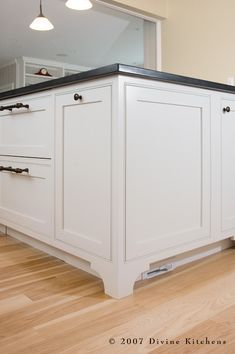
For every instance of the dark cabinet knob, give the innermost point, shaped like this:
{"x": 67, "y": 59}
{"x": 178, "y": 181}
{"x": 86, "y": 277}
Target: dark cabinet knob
{"x": 77, "y": 97}
{"x": 226, "y": 109}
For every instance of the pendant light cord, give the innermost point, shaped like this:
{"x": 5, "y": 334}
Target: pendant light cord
{"x": 41, "y": 9}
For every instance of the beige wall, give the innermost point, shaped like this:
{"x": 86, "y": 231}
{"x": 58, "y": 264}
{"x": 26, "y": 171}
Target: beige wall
{"x": 156, "y": 8}
{"x": 198, "y": 36}
{"x": 199, "y": 39}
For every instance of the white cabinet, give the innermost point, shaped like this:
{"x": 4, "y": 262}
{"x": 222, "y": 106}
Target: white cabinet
{"x": 26, "y": 197}
{"x": 141, "y": 169}
{"x": 83, "y": 165}
{"x": 26, "y": 169}
{"x": 167, "y": 170}
{"x": 228, "y": 166}
{"x": 27, "y": 130}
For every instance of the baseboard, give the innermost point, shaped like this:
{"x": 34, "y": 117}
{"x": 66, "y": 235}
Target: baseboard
{"x": 55, "y": 252}
{"x": 179, "y": 260}
{"x": 194, "y": 255}
{"x": 3, "y": 230}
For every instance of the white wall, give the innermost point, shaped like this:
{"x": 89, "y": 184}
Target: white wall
{"x": 198, "y": 39}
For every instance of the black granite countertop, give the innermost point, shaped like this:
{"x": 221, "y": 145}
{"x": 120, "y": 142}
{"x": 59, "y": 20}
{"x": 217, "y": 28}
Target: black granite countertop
{"x": 118, "y": 69}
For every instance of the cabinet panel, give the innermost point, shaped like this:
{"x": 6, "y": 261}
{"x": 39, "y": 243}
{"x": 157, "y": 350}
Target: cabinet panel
{"x": 167, "y": 170}
{"x": 228, "y": 167}
{"x": 27, "y": 132}
{"x": 26, "y": 198}
{"x": 83, "y": 164}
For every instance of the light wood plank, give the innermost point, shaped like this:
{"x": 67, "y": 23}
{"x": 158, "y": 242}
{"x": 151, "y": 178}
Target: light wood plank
{"x": 47, "y": 306}
{"x": 14, "y": 303}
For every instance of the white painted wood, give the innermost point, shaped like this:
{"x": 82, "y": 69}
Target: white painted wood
{"x": 83, "y": 165}
{"x": 120, "y": 284}
{"x": 159, "y": 45}
{"x": 8, "y": 76}
{"x": 228, "y": 167}
{"x": 27, "y": 67}
{"x": 215, "y": 166}
{"x": 167, "y": 170}
{"x": 26, "y": 200}
{"x": 27, "y": 132}
{"x": 137, "y": 178}
{"x": 55, "y": 252}
{"x": 7, "y": 87}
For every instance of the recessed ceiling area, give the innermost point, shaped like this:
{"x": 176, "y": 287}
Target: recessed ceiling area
{"x": 91, "y": 38}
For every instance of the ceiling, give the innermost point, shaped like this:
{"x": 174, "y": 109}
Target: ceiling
{"x": 92, "y": 38}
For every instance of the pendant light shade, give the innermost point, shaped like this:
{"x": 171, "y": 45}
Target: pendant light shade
{"x": 79, "y": 4}
{"x": 41, "y": 23}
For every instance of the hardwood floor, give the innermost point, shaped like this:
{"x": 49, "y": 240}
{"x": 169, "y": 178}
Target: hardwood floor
{"x": 47, "y": 307}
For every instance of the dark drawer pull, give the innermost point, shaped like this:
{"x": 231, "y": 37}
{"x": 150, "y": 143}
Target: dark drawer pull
{"x": 226, "y": 109}
{"x": 17, "y": 105}
{"x": 16, "y": 170}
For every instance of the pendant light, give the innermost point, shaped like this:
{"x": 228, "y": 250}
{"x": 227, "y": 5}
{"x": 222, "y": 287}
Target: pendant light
{"x": 79, "y": 4}
{"x": 41, "y": 23}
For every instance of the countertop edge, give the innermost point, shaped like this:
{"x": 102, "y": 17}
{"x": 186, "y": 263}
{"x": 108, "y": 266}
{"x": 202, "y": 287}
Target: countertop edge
{"x": 118, "y": 69}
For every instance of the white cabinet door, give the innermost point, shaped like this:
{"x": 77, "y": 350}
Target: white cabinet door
{"x": 83, "y": 170}
{"x": 27, "y": 132}
{"x": 167, "y": 170}
{"x": 228, "y": 167}
{"x": 26, "y": 199}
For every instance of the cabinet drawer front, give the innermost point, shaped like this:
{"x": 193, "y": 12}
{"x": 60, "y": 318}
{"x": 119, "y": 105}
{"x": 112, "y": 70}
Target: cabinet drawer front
{"x": 83, "y": 165}
{"x": 26, "y": 198}
{"x": 27, "y": 131}
{"x": 167, "y": 170}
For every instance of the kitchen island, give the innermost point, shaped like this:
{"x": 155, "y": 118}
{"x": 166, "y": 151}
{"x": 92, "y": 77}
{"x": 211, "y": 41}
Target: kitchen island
{"x": 119, "y": 170}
